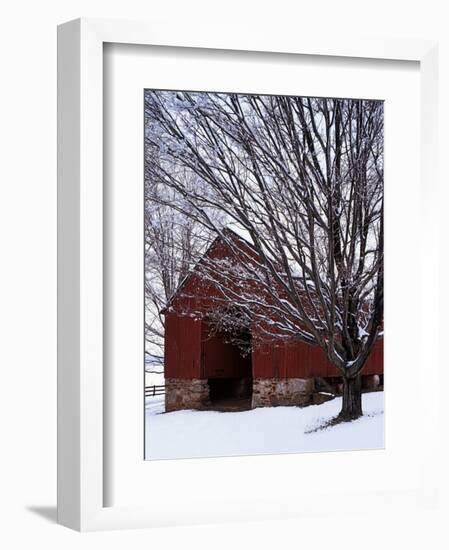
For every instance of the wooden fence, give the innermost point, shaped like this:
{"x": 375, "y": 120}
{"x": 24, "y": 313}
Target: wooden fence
{"x": 153, "y": 391}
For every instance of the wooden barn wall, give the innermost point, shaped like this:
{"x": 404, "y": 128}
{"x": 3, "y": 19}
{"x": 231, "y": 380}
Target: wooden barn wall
{"x": 299, "y": 360}
{"x": 375, "y": 363}
{"x": 197, "y": 295}
{"x": 182, "y": 347}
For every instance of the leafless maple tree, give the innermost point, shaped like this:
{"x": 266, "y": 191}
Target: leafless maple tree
{"x": 302, "y": 180}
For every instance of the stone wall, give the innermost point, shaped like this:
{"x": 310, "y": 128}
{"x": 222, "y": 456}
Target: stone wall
{"x": 370, "y": 382}
{"x": 183, "y": 393}
{"x": 271, "y": 392}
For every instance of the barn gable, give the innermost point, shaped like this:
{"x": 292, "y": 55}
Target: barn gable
{"x": 196, "y": 294}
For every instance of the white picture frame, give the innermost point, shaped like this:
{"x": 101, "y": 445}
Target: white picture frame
{"x": 82, "y": 491}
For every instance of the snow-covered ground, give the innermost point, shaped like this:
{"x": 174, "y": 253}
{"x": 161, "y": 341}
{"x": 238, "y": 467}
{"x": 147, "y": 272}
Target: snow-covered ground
{"x": 154, "y": 379}
{"x": 269, "y": 430}
{"x": 154, "y": 370}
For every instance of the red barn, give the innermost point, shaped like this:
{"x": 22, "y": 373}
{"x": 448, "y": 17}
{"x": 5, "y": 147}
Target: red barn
{"x": 204, "y": 369}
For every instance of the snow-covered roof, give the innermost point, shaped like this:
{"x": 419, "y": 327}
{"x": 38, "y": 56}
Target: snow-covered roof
{"x": 226, "y": 236}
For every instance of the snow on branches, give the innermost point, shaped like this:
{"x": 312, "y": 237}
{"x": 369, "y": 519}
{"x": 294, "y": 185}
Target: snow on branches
{"x": 302, "y": 180}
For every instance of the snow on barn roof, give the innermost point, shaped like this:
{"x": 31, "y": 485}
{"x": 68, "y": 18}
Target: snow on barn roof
{"x": 227, "y": 236}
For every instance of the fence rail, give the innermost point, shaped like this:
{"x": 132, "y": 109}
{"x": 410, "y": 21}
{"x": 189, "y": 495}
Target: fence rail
{"x": 152, "y": 391}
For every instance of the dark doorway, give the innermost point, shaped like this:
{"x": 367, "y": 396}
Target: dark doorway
{"x": 230, "y": 394}
{"x": 227, "y": 366}
{"x": 230, "y": 388}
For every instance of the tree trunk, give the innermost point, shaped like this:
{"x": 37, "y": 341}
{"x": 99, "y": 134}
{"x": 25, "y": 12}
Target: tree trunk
{"x": 352, "y": 399}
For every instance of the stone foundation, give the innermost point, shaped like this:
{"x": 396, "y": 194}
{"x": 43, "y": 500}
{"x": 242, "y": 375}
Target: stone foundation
{"x": 181, "y": 393}
{"x": 370, "y": 382}
{"x": 194, "y": 393}
{"x": 272, "y": 392}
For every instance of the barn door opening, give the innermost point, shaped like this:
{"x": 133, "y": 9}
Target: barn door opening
{"x": 227, "y": 365}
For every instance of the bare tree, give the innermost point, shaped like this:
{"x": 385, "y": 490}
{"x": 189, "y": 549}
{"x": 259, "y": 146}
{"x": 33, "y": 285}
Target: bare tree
{"x": 173, "y": 244}
{"x": 302, "y": 178}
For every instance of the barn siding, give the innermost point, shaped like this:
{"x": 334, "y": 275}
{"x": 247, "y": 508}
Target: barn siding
{"x": 375, "y": 363}
{"x": 220, "y": 359}
{"x": 182, "y": 347}
{"x": 300, "y": 360}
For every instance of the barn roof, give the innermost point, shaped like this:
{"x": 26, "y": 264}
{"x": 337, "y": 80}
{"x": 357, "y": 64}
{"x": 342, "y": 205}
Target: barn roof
{"x": 227, "y": 236}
